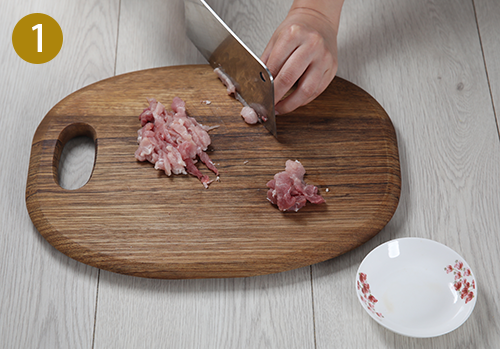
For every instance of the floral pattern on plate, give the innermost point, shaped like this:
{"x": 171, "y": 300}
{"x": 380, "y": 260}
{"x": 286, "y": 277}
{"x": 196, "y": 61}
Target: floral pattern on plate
{"x": 366, "y": 296}
{"x": 461, "y": 283}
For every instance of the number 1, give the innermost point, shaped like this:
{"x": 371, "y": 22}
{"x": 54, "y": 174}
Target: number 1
{"x": 39, "y": 36}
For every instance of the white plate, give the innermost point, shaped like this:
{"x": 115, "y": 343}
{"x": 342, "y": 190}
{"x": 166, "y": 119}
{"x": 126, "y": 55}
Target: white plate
{"x": 416, "y": 287}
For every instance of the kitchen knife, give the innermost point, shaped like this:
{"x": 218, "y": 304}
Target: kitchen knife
{"x": 223, "y": 49}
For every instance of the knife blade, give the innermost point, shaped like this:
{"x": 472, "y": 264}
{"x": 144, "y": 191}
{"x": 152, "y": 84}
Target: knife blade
{"x": 222, "y": 48}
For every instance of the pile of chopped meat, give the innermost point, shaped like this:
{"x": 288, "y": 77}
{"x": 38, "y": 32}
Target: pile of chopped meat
{"x": 289, "y": 191}
{"x": 171, "y": 140}
{"x": 247, "y": 113}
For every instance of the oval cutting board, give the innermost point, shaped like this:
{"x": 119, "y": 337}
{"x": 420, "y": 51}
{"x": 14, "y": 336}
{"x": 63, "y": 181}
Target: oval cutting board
{"x": 132, "y": 219}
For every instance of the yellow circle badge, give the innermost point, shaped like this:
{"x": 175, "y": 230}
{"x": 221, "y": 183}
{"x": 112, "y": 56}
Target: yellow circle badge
{"x": 37, "y": 38}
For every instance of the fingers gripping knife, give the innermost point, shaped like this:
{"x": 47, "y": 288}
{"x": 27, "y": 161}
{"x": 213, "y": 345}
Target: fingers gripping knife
{"x": 223, "y": 49}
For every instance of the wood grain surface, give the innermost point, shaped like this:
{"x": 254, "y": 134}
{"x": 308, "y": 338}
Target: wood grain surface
{"x": 423, "y": 63}
{"x": 488, "y": 15}
{"x": 410, "y": 55}
{"x": 48, "y": 300}
{"x": 132, "y": 219}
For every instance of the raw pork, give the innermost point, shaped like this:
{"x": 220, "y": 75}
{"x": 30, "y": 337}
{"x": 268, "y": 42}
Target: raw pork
{"x": 247, "y": 113}
{"x": 289, "y": 191}
{"x": 226, "y": 80}
{"x": 171, "y": 140}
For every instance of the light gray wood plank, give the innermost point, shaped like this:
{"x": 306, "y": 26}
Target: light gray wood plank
{"x": 253, "y": 21}
{"x": 48, "y": 300}
{"x": 273, "y": 311}
{"x": 77, "y": 162}
{"x": 152, "y": 34}
{"x": 488, "y": 19}
{"x": 422, "y": 61}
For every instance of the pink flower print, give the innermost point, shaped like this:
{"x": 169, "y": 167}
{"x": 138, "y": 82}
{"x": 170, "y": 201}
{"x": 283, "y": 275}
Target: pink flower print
{"x": 466, "y": 284}
{"x": 372, "y": 299}
{"x": 461, "y": 285}
{"x": 470, "y": 295}
{"x": 464, "y": 293}
{"x": 365, "y": 289}
{"x": 365, "y": 295}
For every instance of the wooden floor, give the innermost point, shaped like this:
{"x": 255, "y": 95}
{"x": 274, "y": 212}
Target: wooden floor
{"x": 433, "y": 65}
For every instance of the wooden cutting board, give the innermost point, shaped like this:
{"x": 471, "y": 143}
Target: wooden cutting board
{"x": 132, "y": 219}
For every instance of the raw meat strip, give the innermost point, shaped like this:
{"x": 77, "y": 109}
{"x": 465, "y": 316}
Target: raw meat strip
{"x": 226, "y": 80}
{"x": 289, "y": 191}
{"x": 247, "y": 113}
{"x": 171, "y": 140}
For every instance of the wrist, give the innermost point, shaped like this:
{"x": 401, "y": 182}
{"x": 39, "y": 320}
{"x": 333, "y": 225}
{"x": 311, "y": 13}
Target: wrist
{"x": 323, "y": 9}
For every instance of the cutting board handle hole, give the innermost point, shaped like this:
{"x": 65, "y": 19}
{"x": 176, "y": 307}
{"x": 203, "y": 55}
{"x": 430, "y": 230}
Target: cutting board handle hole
{"x": 75, "y": 156}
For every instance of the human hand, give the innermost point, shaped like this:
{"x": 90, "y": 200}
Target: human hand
{"x": 303, "y": 49}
